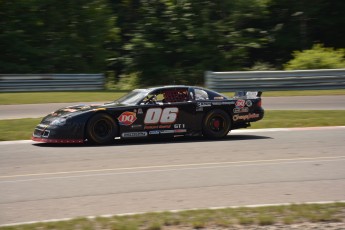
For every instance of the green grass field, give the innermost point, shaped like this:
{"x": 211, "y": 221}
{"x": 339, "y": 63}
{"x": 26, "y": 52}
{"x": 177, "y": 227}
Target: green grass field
{"x": 300, "y": 118}
{"x": 227, "y": 218}
{"x": 21, "y": 129}
{"x": 17, "y": 129}
{"x": 94, "y": 96}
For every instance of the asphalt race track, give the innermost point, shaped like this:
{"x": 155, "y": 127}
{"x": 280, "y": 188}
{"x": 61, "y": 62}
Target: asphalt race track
{"x": 40, "y": 181}
{"x": 269, "y": 103}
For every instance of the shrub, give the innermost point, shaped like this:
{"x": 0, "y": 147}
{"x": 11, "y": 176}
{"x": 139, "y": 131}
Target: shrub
{"x": 318, "y": 57}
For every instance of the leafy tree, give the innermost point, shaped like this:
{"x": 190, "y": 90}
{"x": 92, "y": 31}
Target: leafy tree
{"x": 318, "y": 57}
{"x": 162, "y": 41}
{"x": 176, "y": 41}
{"x": 297, "y": 25}
{"x": 52, "y": 36}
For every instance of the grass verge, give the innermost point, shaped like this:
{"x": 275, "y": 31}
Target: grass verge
{"x": 303, "y": 93}
{"x": 17, "y": 129}
{"x": 300, "y": 118}
{"x": 95, "y": 96}
{"x": 21, "y": 129}
{"x": 199, "y": 219}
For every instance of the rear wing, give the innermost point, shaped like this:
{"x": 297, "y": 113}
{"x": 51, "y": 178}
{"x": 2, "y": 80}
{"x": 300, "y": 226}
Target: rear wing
{"x": 248, "y": 94}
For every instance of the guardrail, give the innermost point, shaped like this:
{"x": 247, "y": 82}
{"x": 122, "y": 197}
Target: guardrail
{"x": 50, "y": 82}
{"x": 275, "y": 80}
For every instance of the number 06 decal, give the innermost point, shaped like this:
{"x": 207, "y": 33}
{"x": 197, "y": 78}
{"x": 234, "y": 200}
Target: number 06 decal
{"x": 162, "y": 116}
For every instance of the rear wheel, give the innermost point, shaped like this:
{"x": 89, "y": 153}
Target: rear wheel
{"x": 216, "y": 124}
{"x": 101, "y": 129}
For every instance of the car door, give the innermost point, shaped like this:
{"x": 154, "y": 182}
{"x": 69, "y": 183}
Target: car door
{"x": 172, "y": 113}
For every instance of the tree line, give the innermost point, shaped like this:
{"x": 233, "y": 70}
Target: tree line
{"x": 163, "y": 41}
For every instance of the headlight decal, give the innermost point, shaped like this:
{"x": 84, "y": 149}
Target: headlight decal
{"x": 59, "y": 121}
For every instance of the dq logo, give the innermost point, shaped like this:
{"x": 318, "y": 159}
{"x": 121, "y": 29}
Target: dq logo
{"x": 127, "y": 118}
{"x": 240, "y": 103}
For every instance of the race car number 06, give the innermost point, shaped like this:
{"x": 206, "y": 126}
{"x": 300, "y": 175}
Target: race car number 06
{"x": 163, "y": 116}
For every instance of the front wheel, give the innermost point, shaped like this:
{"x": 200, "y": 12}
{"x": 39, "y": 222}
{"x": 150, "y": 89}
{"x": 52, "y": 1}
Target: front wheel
{"x": 101, "y": 129}
{"x": 216, "y": 124}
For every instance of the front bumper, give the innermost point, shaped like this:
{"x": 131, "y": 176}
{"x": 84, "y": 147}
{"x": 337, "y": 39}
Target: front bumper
{"x": 54, "y": 134}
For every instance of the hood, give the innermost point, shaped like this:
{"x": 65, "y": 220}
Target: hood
{"x": 73, "y": 109}
{"x": 68, "y": 112}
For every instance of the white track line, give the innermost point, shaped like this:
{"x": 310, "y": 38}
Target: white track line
{"x": 174, "y": 211}
{"x": 168, "y": 170}
{"x": 154, "y": 168}
{"x": 287, "y": 129}
{"x": 16, "y": 142}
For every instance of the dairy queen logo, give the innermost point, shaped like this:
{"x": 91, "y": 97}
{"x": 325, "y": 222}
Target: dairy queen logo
{"x": 127, "y": 118}
{"x": 240, "y": 103}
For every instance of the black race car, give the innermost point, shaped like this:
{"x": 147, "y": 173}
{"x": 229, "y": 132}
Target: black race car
{"x": 153, "y": 112}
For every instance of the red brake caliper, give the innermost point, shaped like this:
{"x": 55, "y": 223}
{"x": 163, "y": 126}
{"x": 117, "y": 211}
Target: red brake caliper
{"x": 216, "y": 124}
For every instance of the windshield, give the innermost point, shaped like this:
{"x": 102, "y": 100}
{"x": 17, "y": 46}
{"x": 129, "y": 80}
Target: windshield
{"x": 132, "y": 98}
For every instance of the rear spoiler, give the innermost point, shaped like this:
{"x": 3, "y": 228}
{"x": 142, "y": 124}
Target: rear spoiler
{"x": 248, "y": 94}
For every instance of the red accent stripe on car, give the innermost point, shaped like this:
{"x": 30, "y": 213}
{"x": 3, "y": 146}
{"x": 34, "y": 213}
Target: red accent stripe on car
{"x": 58, "y": 141}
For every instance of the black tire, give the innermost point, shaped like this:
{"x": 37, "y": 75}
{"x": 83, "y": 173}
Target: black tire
{"x": 216, "y": 124}
{"x": 101, "y": 129}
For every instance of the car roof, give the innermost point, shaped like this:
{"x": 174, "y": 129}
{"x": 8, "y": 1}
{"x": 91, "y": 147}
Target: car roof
{"x": 169, "y": 87}
{"x": 176, "y": 86}
{"x": 162, "y": 88}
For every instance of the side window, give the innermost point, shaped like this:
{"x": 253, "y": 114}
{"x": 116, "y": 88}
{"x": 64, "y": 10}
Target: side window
{"x": 175, "y": 95}
{"x": 201, "y": 94}
{"x": 149, "y": 99}
{"x": 160, "y": 97}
